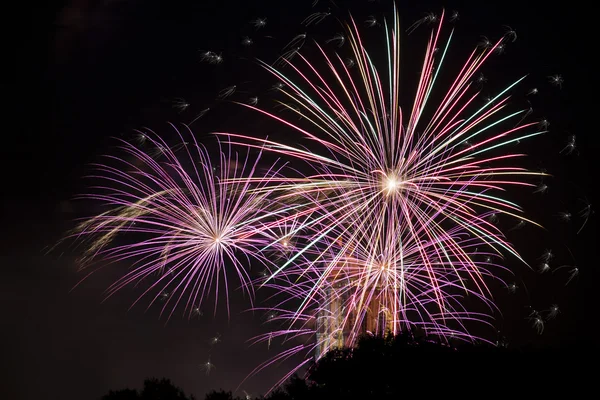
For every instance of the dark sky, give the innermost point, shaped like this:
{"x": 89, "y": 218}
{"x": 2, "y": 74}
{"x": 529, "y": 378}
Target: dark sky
{"x": 84, "y": 72}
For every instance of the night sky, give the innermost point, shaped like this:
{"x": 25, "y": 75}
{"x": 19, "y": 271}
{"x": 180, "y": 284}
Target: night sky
{"x": 84, "y": 72}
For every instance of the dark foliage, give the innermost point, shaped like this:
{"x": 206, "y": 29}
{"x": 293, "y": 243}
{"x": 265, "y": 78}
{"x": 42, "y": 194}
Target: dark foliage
{"x": 125, "y": 394}
{"x": 220, "y": 395}
{"x": 394, "y": 367}
{"x": 153, "y": 389}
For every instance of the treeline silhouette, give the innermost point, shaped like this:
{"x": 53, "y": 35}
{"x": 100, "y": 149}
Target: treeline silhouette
{"x": 154, "y": 389}
{"x": 394, "y": 367}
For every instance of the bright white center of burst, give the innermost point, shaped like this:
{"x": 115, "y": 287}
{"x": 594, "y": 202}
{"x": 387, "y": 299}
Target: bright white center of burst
{"x": 392, "y": 184}
{"x": 217, "y": 239}
{"x": 285, "y": 243}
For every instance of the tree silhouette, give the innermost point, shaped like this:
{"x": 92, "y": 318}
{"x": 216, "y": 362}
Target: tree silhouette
{"x": 387, "y": 367}
{"x": 221, "y": 395}
{"x": 125, "y": 394}
{"x": 163, "y": 389}
{"x": 154, "y": 389}
{"x": 392, "y": 367}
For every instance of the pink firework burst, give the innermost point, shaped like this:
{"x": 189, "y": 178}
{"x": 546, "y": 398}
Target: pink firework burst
{"x": 407, "y": 193}
{"x": 186, "y": 231}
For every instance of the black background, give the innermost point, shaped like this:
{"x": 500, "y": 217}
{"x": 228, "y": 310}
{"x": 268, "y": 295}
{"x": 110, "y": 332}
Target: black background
{"x": 83, "y": 72}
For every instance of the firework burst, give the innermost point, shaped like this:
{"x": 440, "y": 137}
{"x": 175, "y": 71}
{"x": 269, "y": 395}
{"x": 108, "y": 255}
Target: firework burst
{"x": 378, "y": 170}
{"x": 188, "y": 233}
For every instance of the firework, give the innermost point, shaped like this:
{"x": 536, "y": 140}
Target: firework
{"x": 186, "y": 232}
{"x": 375, "y": 167}
{"x": 371, "y": 21}
{"x": 537, "y": 322}
{"x": 395, "y": 199}
{"x": 571, "y": 145}
{"x": 207, "y": 366}
{"x": 552, "y": 312}
{"x": 585, "y": 213}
